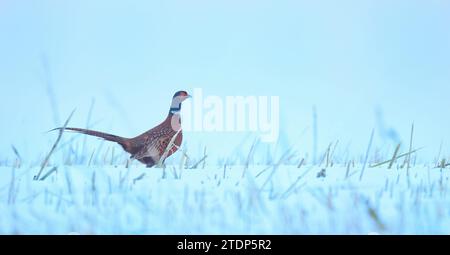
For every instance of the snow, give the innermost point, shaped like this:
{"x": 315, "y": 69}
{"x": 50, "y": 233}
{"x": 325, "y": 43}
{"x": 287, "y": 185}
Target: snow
{"x": 280, "y": 200}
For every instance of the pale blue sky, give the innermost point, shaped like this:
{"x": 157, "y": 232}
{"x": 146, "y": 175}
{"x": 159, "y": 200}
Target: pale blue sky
{"x": 346, "y": 57}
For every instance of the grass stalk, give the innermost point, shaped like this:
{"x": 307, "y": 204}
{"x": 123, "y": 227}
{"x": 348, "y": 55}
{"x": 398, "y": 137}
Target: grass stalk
{"x": 394, "y": 156}
{"x": 367, "y": 155}
{"x": 409, "y": 154}
{"x": 47, "y": 158}
{"x": 398, "y": 157}
{"x": 53, "y": 170}
{"x": 168, "y": 148}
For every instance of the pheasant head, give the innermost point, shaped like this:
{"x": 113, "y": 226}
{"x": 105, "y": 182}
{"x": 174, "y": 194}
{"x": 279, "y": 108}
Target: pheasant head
{"x": 177, "y": 99}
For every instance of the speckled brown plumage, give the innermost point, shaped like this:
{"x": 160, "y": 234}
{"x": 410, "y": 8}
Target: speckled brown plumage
{"x": 150, "y": 146}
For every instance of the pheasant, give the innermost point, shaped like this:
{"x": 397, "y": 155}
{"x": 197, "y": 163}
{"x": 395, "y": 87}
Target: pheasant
{"x": 152, "y": 146}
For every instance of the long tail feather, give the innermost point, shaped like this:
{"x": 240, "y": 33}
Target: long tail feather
{"x": 106, "y": 136}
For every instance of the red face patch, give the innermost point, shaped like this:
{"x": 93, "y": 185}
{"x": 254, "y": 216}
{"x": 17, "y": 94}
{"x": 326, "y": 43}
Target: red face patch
{"x": 181, "y": 94}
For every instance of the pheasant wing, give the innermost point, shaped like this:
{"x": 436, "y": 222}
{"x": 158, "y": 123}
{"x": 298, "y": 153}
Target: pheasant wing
{"x": 156, "y": 144}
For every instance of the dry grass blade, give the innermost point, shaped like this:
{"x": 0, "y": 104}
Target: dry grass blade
{"x": 263, "y": 171}
{"x": 442, "y": 164}
{"x": 375, "y": 216}
{"x": 293, "y": 185}
{"x": 410, "y": 148}
{"x": 398, "y": 157}
{"x": 394, "y": 156}
{"x": 301, "y": 163}
{"x": 274, "y": 169}
{"x": 327, "y": 156}
{"x": 140, "y": 177}
{"x": 367, "y": 155}
{"x": 183, "y": 151}
{"x": 112, "y": 157}
{"x": 347, "y": 172}
{"x": 12, "y": 186}
{"x": 249, "y": 157}
{"x": 204, "y": 160}
{"x": 182, "y": 165}
{"x": 105, "y": 155}
{"x": 333, "y": 151}
{"x": 61, "y": 131}
{"x": 224, "y": 171}
{"x": 54, "y": 169}
{"x": 18, "y": 157}
{"x": 16, "y": 152}
{"x": 90, "y": 159}
{"x": 199, "y": 162}
{"x": 168, "y": 148}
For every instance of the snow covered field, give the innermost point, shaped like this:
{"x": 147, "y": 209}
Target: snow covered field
{"x": 309, "y": 77}
{"x": 276, "y": 199}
